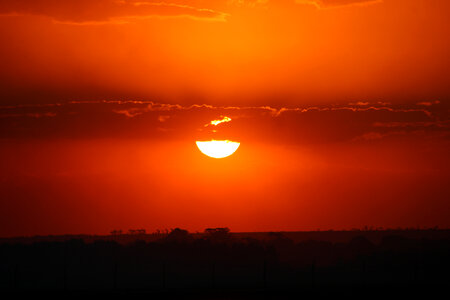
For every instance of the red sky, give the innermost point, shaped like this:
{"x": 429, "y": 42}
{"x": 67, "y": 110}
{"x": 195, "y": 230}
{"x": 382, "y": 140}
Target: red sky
{"x": 341, "y": 108}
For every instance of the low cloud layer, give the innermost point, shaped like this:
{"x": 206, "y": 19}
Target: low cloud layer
{"x": 150, "y": 120}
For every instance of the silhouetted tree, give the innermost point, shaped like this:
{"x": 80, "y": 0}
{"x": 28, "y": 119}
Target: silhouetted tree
{"x": 178, "y": 235}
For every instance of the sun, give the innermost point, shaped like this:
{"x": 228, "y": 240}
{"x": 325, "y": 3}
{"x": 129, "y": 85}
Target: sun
{"x": 217, "y": 149}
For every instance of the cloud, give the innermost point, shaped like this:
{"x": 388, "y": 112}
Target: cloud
{"x": 217, "y": 122}
{"x": 284, "y": 125}
{"x": 130, "y": 113}
{"x": 428, "y": 103}
{"x": 373, "y": 136}
{"x": 323, "y": 4}
{"x": 360, "y": 103}
{"x": 435, "y": 123}
{"x": 105, "y": 11}
{"x": 163, "y": 118}
{"x": 248, "y": 3}
{"x": 31, "y": 115}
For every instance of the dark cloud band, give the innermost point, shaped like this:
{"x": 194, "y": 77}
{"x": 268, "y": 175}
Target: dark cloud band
{"x": 150, "y": 120}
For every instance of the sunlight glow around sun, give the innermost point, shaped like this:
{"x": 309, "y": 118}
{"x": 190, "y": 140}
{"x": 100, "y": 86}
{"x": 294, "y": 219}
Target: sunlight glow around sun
{"x": 217, "y": 149}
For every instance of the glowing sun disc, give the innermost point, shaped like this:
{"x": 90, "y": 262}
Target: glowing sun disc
{"x": 217, "y": 149}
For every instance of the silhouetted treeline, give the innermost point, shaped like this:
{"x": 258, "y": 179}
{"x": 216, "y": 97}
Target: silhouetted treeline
{"x": 219, "y": 260}
{"x": 334, "y": 236}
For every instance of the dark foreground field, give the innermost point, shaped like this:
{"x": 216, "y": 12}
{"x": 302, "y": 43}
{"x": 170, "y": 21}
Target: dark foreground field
{"x": 222, "y": 265}
{"x": 345, "y": 292}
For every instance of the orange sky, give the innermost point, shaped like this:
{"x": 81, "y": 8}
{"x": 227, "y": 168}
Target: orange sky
{"x": 222, "y": 51}
{"x": 341, "y": 108}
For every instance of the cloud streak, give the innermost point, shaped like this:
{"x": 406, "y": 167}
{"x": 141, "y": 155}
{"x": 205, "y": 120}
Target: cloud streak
{"x": 81, "y": 12}
{"x": 324, "y": 4}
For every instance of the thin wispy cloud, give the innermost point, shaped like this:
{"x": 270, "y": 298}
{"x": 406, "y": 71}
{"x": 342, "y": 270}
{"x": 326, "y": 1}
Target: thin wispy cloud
{"x": 87, "y": 12}
{"x": 325, "y": 4}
